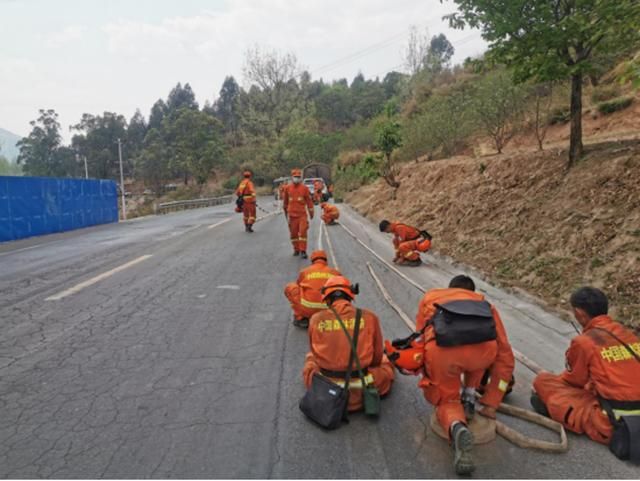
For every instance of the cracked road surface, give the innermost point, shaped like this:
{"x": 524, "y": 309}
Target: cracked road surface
{"x": 186, "y": 365}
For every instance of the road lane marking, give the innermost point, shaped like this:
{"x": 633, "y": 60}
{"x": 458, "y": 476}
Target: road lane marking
{"x": 220, "y": 223}
{"x": 228, "y": 286}
{"x": 96, "y": 279}
{"x": 331, "y": 253}
{"x": 320, "y": 235}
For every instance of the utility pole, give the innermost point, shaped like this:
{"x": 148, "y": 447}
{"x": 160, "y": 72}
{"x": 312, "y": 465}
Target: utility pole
{"x": 86, "y": 170}
{"x": 124, "y": 205}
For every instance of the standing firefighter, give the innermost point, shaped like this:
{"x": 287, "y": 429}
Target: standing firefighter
{"x": 330, "y": 213}
{"x": 305, "y": 295}
{"x": 318, "y": 186}
{"x": 246, "y": 193}
{"x": 296, "y": 202}
{"x": 330, "y": 350}
{"x": 408, "y": 242}
{"x": 599, "y": 392}
{"x": 463, "y": 336}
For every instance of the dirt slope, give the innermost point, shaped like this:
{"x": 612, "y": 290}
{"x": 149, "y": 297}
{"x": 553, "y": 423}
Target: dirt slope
{"x": 526, "y": 222}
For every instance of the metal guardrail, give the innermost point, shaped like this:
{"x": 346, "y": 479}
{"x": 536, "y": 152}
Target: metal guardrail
{"x": 191, "y": 204}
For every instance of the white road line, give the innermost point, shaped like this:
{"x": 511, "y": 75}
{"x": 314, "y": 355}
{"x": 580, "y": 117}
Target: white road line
{"x": 96, "y": 279}
{"x": 319, "y": 245}
{"x": 331, "y": 253}
{"x": 220, "y": 223}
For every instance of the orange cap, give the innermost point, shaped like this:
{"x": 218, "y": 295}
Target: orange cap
{"x": 246, "y": 173}
{"x": 339, "y": 283}
{"x": 296, "y": 173}
{"x": 319, "y": 254}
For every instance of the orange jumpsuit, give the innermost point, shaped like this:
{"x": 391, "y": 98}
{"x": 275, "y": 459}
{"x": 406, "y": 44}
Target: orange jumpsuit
{"x": 247, "y": 191}
{"x": 304, "y": 295}
{"x": 317, "y": 191}
{"x": 296, "y": 202}
{"x": 330, "y": 213}
{"x": 402, "y": 236}
{"x": 330, "y": 349}
{"x": 597, "y": 365}
{"x": 444, "y": 365}
{"x": 410, "y": 250}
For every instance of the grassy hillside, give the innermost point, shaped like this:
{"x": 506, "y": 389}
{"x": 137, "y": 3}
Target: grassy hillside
{"x": 526, "y": 221}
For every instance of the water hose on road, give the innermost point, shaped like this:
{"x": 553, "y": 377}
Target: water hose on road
{"x": 502, "y": 429}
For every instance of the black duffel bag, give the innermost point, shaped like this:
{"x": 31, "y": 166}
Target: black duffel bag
{"x": 458, "y": 323}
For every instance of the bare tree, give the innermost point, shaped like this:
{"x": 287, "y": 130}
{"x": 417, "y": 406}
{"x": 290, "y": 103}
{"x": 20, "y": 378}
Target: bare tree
{"x": 542, "y": 99}
{"x": 416, "y": 50}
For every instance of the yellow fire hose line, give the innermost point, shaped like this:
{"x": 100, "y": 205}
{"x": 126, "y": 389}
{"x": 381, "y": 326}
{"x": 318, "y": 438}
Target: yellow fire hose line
{"x": 502, "y": 429}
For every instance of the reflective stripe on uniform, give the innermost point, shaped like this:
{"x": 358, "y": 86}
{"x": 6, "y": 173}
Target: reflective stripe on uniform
{"x": 503, "y": 385}
{"x": 626, "y": 412}
{"x": 312, "y": 305}
{"x": 354, "y": 383}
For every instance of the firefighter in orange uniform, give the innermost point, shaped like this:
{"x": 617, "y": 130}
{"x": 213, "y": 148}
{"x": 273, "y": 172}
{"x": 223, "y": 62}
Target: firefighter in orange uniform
{"x": 330, "y": 350}
{"x": 451, "y": 354}
{"x": 304, "y": 295}
{"x": 601, "y": 384}
{"x": 246, "y": 193}
{"x": 330, "y": 213}
{"x": 296, "y": 202}
{"x": 318, "y": 185}
{"x": 408, "y": 241}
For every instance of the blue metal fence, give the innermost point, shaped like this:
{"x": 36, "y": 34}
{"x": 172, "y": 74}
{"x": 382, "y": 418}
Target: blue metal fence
{"x": 43, "y": 205}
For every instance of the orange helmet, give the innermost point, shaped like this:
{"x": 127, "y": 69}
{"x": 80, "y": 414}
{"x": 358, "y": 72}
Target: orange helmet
{"x": 323, "y": 204}
{"x": 319, "y": 254}
{"x": 339, "y": 283}
{"x": 296, "y": 173}
{"x": 246, "y": 173}
{"x": 406, "y": 359}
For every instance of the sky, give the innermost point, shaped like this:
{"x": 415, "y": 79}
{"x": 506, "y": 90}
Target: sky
{"x": 77, "y": 56}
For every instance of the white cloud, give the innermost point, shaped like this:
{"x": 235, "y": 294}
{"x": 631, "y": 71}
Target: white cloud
{"x": 69, "y": 34}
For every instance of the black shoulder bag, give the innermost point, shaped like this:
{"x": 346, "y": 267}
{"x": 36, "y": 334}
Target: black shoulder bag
{"x": 458, "y": 323}
{"x": 326, "y": 402}
{"x": 625, "y": 440}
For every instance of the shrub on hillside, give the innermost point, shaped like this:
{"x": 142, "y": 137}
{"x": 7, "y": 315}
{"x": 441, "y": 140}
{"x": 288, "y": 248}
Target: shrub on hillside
{"x": 615, "y": 105}
{"x": 560, "y": 115}
{"x": 364, "y": 171}
{"x": 231, "y": 183}
{"x": 603, "y": 93}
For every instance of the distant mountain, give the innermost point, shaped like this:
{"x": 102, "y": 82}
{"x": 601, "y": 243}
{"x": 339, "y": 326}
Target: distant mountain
{"x": 8, "y": 147}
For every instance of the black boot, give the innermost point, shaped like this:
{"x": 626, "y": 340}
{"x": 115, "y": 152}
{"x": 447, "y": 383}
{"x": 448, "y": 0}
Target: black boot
{"x": 250, "y": 228}
{"x": 303, "y": 254}
{"x": 538, "y": 405}
{"x": 296, "y": 252}
{"x": 304, "y": 322}
{"x": 462, "y": 443}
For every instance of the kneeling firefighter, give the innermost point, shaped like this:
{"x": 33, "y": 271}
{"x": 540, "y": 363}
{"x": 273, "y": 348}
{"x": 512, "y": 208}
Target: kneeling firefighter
{"x": 305, "y": 294}
{"x": 599, "y": 392}
{"x": 331, "y": 350}
{"x": 408, "y": 242}
{"x": 330, "y": 213}
{"x": 459, "y": 336}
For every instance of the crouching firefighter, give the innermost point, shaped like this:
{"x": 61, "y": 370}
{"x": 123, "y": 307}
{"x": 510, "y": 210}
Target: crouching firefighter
{"x": 356, "y": 360}
{"x": 330, "y": 213}
{"x": 305, "y": 294}
{"x": 599, "y": 392}
{"x": 408, "y": 242}
{"x": 462, "y": 337}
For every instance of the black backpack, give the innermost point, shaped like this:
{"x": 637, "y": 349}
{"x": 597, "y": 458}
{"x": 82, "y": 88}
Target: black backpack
{"x": 458, "y": 323}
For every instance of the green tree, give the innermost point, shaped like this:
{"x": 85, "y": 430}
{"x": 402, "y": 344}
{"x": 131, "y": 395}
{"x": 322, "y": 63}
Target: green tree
{"x": 157, "y": 115}
{"x": 439, "y": 54}
{"x": 136, "y": 132}
{"x": 41, "y": 152}
{"x": 499, "y": 107}
{"x": 388, "y": 139}
{"x": 181, "y": 98}
{"x": 225, "y": 108}
{"x": 552, "y": 40}
{"x": 97, "y": 140}
{"x": 152, "y": 164}
{"x": 198, "y": 143}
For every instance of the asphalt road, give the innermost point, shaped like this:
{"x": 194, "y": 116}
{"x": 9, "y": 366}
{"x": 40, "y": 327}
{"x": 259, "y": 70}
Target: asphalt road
{"x": 163, "y": 348}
